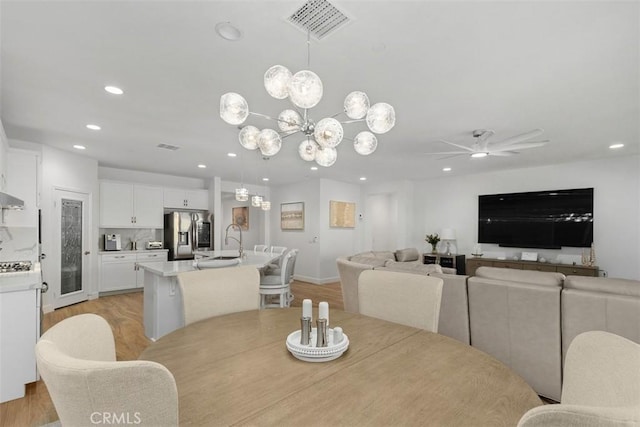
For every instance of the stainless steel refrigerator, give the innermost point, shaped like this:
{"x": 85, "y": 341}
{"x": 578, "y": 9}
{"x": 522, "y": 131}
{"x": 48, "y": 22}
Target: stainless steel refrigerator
{"x": 186, "y": 232}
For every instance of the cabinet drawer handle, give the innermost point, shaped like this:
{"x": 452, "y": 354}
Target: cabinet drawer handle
{"x": 120, "y": 256}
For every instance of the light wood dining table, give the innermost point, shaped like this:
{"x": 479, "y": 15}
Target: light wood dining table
{"x": 236, "y": 370}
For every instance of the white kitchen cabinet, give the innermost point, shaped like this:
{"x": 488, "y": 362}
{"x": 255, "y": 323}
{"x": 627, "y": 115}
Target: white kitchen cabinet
{"x": 119, "y": 271}
{"x": 125, "y": 205}
{"x": 22, "y": 182}
{"x": 176, "y": 198}
{"x": 19, "y": 332}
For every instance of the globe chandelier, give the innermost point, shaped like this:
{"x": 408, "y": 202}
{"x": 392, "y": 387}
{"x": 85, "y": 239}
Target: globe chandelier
{"x": 304, "y": 89}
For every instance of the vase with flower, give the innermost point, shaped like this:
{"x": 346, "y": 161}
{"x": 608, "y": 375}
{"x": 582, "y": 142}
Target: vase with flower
{"x": 433, "y": 240}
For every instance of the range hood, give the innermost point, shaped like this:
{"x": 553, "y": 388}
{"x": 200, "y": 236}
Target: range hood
{"x": 7, "y": 201}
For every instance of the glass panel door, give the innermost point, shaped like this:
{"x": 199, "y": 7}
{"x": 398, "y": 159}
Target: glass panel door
{"x": 71, "y": 246}
{"x": 70, "y": 261}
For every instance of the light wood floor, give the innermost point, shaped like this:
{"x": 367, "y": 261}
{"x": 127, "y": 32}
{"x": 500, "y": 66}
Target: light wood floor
{"x": 124, "y": 314}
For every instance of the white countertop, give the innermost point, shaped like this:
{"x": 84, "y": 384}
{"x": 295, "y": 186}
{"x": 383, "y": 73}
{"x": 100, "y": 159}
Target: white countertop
{"x": 21, "y": 280}
{"x": 172, "y": 268}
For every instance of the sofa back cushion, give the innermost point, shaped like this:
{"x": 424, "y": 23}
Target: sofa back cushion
{"x": 368, "y": 260}
{"x": 412, "y": 267}
{"x": 405, "y": 255}
{"x": 522, "y": 276}
{"x": 625, "y": 287}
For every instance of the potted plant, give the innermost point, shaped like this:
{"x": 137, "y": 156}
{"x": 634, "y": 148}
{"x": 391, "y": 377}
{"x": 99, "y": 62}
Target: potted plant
{"x": 433, "y": 240}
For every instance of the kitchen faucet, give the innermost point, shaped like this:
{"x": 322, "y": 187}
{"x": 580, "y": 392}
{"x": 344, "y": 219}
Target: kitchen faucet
{"x": 227, "y": 237}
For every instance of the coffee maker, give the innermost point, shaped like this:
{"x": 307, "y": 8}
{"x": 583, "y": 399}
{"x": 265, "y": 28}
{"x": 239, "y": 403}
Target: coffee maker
{"x": 112, "y": 242}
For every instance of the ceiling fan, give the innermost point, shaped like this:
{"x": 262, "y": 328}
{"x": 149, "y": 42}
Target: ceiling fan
{"x": 482, "y": 146}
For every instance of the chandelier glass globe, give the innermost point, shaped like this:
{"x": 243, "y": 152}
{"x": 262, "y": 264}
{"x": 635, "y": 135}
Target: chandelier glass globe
{"x": 256, "y": 201}
{"x": 266, "y": 206}
{"x": 269, "y": 142}
{"x": 275, "y": 81}
{"x": 290, "y": 121}
{"x": 381, "y": 118}
{"x": 365, "y": 143}
{"x": 356, "y": 105}
{"x": 326, "y": 156}
{"x": 328, "y": 133}
{"x": 233, "y": 108}
{"x": 242, "y": 194}
{"x": 248, "y": 137}
{"x": 305, "y": 89}
{"x": 307, "y": 150}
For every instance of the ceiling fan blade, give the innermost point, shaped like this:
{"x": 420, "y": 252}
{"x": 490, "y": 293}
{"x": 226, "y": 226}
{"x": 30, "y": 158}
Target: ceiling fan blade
{"x": 463, "y": 147}
{"x": 447, "y": 152}
{"x": 502, "y": 153}
{"x": 518, "y": 138}
{"x": 451, "y": 155}
{"x": 522, "y": 146}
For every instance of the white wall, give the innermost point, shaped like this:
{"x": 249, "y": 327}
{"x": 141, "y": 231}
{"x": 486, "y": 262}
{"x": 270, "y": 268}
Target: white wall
{"x": 336, "y": 242}
{"x": 399, "y": 214}
{"x": 308, "y": 260}
{"x": 68, "y": 171}
{"x": 453, "y": 202}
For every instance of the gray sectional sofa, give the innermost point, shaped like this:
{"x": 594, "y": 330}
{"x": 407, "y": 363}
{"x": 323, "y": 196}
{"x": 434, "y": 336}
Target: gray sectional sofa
{"x": 525, "y": 319}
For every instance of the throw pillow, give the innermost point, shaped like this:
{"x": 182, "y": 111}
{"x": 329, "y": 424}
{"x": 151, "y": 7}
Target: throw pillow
{"x": 409, "y": 254}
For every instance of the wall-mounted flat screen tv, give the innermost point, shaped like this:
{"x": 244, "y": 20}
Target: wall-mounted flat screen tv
{"x": 538, "y": 219}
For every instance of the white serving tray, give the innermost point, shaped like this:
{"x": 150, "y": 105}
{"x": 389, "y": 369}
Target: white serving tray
{"x": 311, "y": 353}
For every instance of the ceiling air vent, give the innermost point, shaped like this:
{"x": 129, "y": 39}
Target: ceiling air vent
{"x": 319, "y": 18}
{"x": 169, "y": 147}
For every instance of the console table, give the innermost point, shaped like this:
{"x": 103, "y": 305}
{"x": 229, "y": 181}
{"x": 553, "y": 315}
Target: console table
{"x": 447, "y": 261}
{"x": 573, "y": 270}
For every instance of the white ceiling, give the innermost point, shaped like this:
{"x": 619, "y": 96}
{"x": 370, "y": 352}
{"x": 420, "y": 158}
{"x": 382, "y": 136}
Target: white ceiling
{"x": 571, "y": 68}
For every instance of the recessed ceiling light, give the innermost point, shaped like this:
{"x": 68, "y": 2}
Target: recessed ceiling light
{"x": 314, "y": 168}
{"x": 265, "y": 179}
{"x": 202, "y": 166}
{"x": 93, "y": 127}
{"x": 228, "y": 31}
{"x": 479, "y": 155}
{"x": 363, "y": 178}
{"x": 114, "y": 90}
{"x": 616, "y": 146}
{"x": 446, "y": 169}
{"x": 231, "y": 154}
{"x": 79, "y": 147}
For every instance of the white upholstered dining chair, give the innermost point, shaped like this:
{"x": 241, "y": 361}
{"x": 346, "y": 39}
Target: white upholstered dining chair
{"x": 279, "y": 285}
{"x": 77, "y": 360}
{"x": 218, "y": 291}
{"x": 409, "y": 299}
{"x": 258, "y": 249}
{"x": 601, "y": 386}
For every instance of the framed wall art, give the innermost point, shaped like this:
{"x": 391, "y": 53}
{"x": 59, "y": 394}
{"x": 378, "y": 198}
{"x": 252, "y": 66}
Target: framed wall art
{"x": 342, "y": 214}
{"x": 292, "y": 216}
{"x": 240, "y": 216}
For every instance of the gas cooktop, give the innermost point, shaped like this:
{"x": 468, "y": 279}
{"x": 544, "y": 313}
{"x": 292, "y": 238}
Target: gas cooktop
{"x": 15, "y": 266}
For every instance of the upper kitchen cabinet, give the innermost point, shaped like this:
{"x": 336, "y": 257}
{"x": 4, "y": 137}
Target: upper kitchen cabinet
{"x": 124, "y": 205}
{"x": 175, "y": 198}
{"x": 22, "y": 182}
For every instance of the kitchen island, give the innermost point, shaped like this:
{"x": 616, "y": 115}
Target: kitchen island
{"x": 162, "y": 297}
